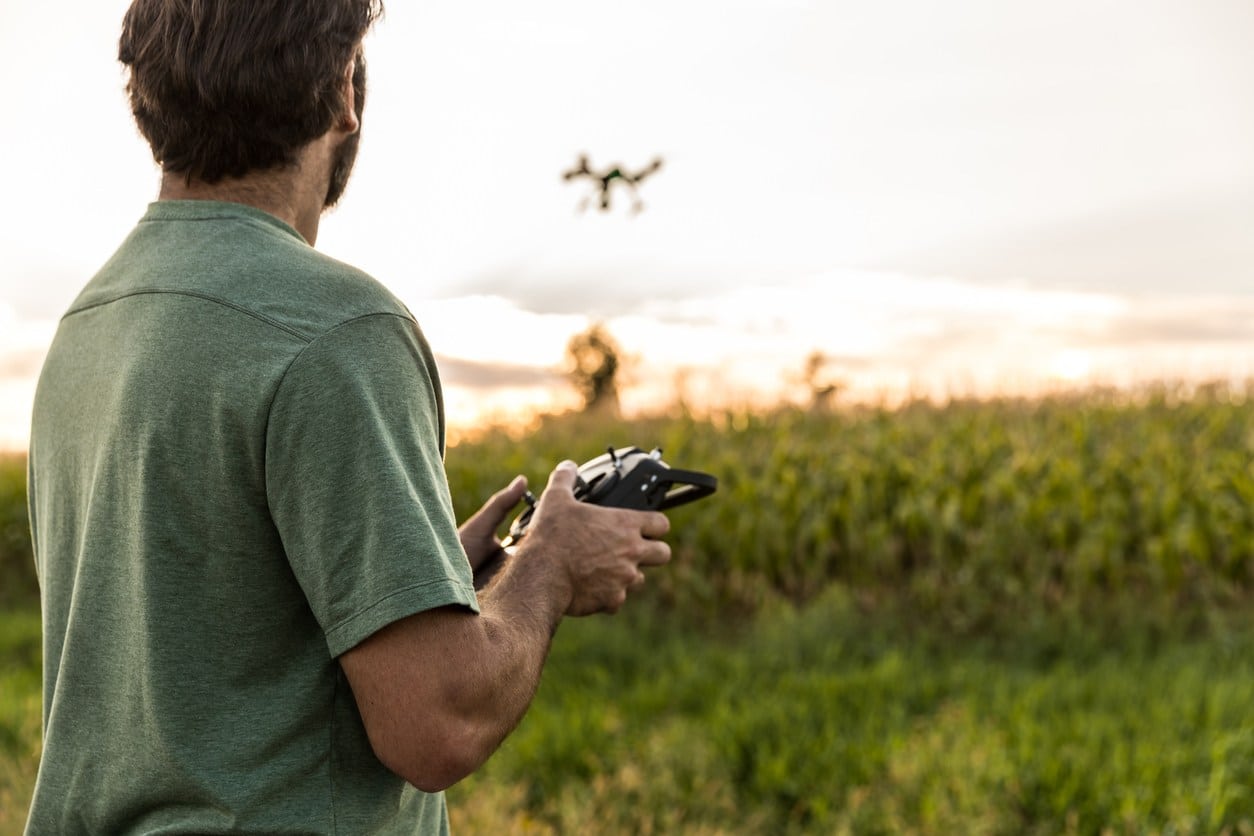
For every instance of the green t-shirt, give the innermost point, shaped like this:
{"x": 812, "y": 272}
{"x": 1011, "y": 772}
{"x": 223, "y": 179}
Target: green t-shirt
{"x": 236, "y": 475}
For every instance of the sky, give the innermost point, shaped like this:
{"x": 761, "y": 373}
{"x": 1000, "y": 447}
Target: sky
{"x": 965, "y": 198}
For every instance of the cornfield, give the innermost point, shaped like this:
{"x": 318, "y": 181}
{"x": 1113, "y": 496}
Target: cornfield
{"x": 974, "y": 513}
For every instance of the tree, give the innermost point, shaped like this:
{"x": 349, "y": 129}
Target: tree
{"x": 823, "y": 389}
{"x": 593, "y": 363}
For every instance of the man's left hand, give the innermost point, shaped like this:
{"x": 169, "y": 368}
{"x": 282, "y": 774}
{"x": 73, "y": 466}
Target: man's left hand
{"x": 478, "y": 534}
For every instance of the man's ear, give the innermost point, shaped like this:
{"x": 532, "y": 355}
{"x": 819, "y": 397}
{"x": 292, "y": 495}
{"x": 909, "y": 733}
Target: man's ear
{"x": 349, "y": 123}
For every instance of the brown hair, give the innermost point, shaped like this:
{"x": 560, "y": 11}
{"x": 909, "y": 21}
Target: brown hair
{"x": 220, "y": 88}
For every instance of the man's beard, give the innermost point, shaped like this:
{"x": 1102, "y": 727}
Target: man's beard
{"x": 346, "y": 154}
{"x": 342, "y": 169}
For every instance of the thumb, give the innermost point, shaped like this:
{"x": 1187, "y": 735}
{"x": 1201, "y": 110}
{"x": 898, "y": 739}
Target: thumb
{"x": 563, "y": 478}
{"x": 498, "y": 506}
{"x": 509, "y": 496}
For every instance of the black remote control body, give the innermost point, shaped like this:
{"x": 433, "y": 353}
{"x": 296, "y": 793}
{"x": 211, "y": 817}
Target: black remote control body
{"x": 629, "y": 478}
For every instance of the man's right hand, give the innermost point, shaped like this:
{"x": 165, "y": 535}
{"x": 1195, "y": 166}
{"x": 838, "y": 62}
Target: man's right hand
{"x": 439, "y": 690}
{"x": 598, "y": 552}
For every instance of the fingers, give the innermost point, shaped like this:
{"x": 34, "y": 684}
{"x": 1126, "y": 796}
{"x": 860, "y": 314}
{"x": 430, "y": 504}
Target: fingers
{"x": 653, "y": 553}
{"x": 655, "y": 525}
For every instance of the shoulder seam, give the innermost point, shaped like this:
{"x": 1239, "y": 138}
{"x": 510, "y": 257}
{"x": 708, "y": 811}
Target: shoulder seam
{"x": 309, "y": 342}
{"x": 399, "y": 315}
{"x": 193, "y": 294}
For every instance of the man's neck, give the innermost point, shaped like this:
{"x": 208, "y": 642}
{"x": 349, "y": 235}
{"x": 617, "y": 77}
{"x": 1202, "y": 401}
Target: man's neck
{"x": 284, "y": 193}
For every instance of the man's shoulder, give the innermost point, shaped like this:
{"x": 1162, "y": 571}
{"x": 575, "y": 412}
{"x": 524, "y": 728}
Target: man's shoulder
{"x": 243, "y": 259}
{"x": 313, "y": 293}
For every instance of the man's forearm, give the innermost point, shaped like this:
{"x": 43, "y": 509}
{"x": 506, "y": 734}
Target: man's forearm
{"x": 441, "y": 690}
{"x": 519, "y": 614}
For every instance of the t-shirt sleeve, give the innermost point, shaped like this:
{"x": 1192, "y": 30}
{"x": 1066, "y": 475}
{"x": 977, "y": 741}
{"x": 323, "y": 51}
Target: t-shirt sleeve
{"x": 356, "y": 484}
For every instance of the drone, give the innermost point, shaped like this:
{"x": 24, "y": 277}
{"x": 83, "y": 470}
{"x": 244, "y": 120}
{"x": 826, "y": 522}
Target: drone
{"x": 603, "y": 181}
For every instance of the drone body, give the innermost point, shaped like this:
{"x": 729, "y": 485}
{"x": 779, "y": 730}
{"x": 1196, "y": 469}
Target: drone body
{"x": 604, "y": 181}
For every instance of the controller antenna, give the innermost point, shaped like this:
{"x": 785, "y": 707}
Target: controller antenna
{"x": 618, "y": 464}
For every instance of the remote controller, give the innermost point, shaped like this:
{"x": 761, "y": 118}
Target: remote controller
{"x": 628, "y": 478}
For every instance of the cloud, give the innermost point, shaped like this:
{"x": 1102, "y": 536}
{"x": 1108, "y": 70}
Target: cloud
{"x": 600, "y": 289}
{"x": 1223, "y": 320}
{"x": 24, "y": 342}
{"x": 473, "y": 374}
{"x": 869, "y": 322}
{"x": 1196, "y": 242}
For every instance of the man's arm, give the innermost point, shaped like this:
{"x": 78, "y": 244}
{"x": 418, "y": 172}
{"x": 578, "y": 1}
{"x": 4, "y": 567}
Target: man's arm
{"x": 440, "y": 690}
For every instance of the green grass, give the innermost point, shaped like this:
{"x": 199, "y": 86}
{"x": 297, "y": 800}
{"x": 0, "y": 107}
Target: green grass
{"x": 19, "y": 714}
{"x": 826, "y": 720}
{"x": 830, "y": 719}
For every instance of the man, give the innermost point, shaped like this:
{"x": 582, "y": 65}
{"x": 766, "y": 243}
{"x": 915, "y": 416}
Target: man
{"x": 259, "y": 613}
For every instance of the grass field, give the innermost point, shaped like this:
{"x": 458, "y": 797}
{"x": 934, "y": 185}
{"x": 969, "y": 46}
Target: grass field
{"x": 820, "y": 722}
{"x": 19, "y": 714}
{"x": 999, "y": 618}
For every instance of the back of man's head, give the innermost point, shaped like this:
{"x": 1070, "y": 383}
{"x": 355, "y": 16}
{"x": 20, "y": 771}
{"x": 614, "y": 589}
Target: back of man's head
{"x": 222, "y": 88}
